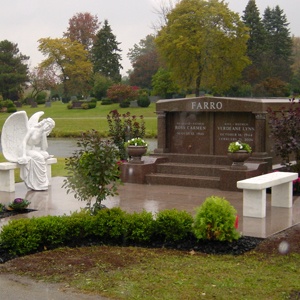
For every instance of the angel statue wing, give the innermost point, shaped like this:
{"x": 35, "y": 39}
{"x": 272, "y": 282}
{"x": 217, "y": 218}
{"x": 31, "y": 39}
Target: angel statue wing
{"x": 34, "y": 119}
{"x": 13, "y": 133}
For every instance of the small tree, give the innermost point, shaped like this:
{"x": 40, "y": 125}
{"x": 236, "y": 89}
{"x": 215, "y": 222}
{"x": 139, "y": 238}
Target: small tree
{"x": 93, "y": 171}
{"x": 271, "y": 87}
{"x": 123, "y": 127}
{"x": 122, "y": 92}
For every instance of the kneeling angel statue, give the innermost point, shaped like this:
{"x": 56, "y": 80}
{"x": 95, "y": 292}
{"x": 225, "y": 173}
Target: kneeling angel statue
{"x": 24, "y": 141}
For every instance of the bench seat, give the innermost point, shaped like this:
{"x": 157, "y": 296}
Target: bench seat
{"x": 254, "y": 192}
{"x": 7, "y": 174}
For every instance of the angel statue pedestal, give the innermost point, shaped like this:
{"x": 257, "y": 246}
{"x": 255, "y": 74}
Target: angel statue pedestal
{"x": 24, "y": 145}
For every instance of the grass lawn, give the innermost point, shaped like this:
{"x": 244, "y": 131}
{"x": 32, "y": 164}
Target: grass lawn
{"x": 71, "y": 122}
{"x": 148, "y": 274}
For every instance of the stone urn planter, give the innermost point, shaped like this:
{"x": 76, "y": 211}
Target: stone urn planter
{"x": 135, "y": 153}
{"x": 238, "y": 159}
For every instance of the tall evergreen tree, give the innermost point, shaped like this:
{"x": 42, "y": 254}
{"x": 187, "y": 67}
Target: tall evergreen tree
{"x": 278, "y": 55}
{"x": 256, "y": 42}
{"x": 106, "y": 54}
{"x": 13, "y": 70}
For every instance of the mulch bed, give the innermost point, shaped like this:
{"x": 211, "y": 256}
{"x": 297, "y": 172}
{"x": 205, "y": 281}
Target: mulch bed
{"x": 8, "y": 213}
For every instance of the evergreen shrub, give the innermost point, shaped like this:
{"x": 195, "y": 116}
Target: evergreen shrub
{"x": 215, "y": 220}
{"x": 143, "y": 101}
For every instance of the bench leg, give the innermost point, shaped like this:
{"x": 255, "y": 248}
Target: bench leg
{"x": 282, "y": 195}
{"x": 7, "y": 180}
{"x": 254, "y": 203}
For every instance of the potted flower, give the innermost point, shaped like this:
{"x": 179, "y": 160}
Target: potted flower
{"x": 18, "y": 204}
{"x": 239, "y": 146}
{"x": 238, "y": 152}
{"x": 136, "y": 148}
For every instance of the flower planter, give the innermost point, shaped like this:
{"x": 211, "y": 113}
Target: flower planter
{"x": 135, "y": 153}
{"x": 238, "y": 158}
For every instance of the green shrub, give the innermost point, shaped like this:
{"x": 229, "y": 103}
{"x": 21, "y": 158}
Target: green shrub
{"x": 106, "y": 101}
{"x": 9, "y": 105}
{"x": 215, "y": 220}
{"x": 20, "y": 237}
{"x": 85, "y": 105}
{"x": 41, "y": 98}
{"x": 124, "y": 104}
{"x": 109, "y": 225}
{"x": 123, "y": 127}
{"x": 143, "y": 101}
{"x": 79, "y": 226}
{"x": 11, "y": 109}
{"x": 52, "y": 230}
{"x": 172, "y": 226}
{"x": 92, "y": 104}
{"x": 139, "y": 227}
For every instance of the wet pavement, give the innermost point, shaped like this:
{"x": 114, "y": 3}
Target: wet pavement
{"x": 154, "y": 198}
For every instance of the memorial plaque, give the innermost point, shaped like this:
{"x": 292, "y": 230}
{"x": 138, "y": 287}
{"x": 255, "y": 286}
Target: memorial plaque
{"x": 190, "y": 133}
{"x": 230, "y": 127}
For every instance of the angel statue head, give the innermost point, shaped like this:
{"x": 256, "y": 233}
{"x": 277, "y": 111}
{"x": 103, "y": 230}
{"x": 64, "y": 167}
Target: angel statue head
{"x": 47, "y": 125}
{"x": 25, "y": 141}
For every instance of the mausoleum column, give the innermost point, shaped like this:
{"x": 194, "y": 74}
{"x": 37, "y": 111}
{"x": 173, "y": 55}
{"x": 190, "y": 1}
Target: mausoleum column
{"x": 161, "y": 132}
{"x": 260, "y": 134}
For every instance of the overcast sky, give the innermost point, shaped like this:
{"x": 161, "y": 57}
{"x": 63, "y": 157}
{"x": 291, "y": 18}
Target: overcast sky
{"x": 25, "y": 21}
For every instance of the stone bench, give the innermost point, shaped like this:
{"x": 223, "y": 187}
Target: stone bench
{"x": 254, "y": 192}
{"x": 7, "y": 174}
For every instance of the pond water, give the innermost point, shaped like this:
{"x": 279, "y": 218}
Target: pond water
{"x": 62, "y": 147}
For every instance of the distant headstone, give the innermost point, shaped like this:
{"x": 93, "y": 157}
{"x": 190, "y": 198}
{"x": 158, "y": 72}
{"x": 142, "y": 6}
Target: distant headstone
{"x": 133, "y": 103}
{"x": 18, "y": 103}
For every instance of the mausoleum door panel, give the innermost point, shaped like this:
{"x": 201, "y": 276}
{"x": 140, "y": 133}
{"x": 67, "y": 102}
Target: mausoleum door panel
{"x": 189, "y": 133}
{"x": 230, "y": 127}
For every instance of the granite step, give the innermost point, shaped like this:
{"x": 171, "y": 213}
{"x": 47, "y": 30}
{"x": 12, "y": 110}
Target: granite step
{"x": 190, "y": 169}
{"x": 196, "y": 158}
{"x": 183, "y": 180}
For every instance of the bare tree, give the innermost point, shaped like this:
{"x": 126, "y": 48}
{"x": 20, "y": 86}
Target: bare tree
{"x": 162, "y": 10}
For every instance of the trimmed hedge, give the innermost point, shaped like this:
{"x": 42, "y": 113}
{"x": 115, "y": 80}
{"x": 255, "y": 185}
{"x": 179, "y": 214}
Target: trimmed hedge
{"x": 109, "y": 226}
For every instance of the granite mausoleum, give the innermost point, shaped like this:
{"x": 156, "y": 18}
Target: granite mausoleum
{"x": 193, "y": 138}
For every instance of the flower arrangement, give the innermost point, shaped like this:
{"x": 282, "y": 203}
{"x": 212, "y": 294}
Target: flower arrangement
{"x": 136, "y": 142}
{"x": 238, "y": 145}
{"x": 19, "y": 204}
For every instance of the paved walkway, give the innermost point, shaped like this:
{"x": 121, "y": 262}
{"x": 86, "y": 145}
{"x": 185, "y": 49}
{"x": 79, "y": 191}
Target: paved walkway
{"x": 15, "y": 287}
{"x": 136, "y": 197}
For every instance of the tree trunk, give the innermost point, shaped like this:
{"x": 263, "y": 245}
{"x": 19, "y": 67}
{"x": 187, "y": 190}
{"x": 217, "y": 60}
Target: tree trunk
{"x": 198, "y": 82}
